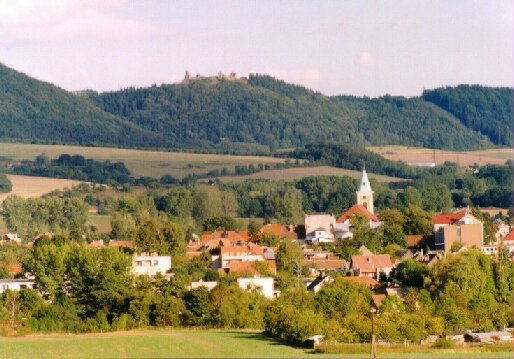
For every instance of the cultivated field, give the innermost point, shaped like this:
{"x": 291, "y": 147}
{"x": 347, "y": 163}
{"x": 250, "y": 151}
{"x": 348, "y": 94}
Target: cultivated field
{"x": 187, "y": 344}
{"x": 298, "y": 173}
{"x": 419, "y": 154}
{"x": 140, "y": 163}
{"x": 26, "y": 186}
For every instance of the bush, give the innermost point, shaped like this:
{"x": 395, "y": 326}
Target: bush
{"x": 442, "y": 343}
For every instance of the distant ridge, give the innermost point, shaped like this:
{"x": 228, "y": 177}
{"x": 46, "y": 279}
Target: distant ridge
{"x": 253, "y": 115}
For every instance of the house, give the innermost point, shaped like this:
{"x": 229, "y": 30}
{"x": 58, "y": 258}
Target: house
{"x": 151, "y": 264}
{"x": 371, "y": 266}
{"x": 461, "y": 227}
{"x": 319, "y": 228}
{"x": 15, "y": 284}
{"x": 507, "y": 242}
{"x": 265, "y": 285}
{"x": 252, "y": 268}
{"x": 318, "y": 283}
{"x": 314, "y": 341}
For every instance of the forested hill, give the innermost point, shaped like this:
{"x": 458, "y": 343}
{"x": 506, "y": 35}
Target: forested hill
{"x": 35, "y": 111}
{"x": 250, "y": 115}
{"x": 261, "y": 110}
{"x": 484, "y": 109}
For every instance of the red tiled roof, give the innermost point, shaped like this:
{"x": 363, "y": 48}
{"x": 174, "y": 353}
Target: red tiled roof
{"x": 244, "y": 250}
{"x": 371, "y": 263}
{"x": 357, "y": 208}
{"x": 449, "y": 218}
{"x": 237, "y": 267}
{"x": 413, "y": 240}
{"x": 509, "y": 237}
{"x": 231, "y": 235}
{"x": 278, "y": 230}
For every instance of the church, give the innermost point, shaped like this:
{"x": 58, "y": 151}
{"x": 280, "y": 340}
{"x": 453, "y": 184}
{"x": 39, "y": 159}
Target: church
{"x": 324, "y": 228}
{"x": 363, "y": 206}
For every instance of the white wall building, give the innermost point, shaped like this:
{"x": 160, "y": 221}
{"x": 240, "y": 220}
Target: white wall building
{"x": 151, "y": 264}
{"x": 15, "y": 284}
{"x": 265, "y": 286}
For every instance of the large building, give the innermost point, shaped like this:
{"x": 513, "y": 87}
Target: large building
{"x": 365, "y": 193}
{"x": 461, "y": 227}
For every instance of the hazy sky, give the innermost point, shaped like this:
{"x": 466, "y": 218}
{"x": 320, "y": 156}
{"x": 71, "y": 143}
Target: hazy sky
{"x": 337, "y": 47}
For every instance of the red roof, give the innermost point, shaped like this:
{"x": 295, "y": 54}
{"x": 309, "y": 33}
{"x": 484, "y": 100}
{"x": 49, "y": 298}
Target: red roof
{"x": 368, "y": 264}
{"x": 278, "y": 230}
{"x": 449, "y": 218}
{"x": 326, "y": 264}
{"x": 357, "y": 208}
{"x": 242, "y": 250}
{"x": 509, "y": 237}
{"x": 236, "y": 267}
{"x": 413, "y": 240}
{"x": 231, "y": 235}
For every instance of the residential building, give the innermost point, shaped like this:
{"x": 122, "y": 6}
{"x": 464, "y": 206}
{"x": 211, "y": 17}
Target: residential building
{"x": 461, "y": 227}
{"x": 280, "y": 230}
{"x": 151, "y": 264}
{"x": 210, "y": 285}
{"x": 319, "y": 228}
{"x": 265, "y": 285}
{"x": 372, "y": 266}
{"x": 507, "y": 242}
{"x": 15, "y": 284}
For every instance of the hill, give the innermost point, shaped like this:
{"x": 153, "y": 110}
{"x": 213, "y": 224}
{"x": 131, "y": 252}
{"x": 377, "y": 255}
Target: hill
{"x": 35, "y": 111}
{"x": 264, "y": 113}
{"x": 253, "y": 115}
{"x": 484, "y": 109}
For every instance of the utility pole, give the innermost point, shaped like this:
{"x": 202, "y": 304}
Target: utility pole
{"x": 373, "y": 344}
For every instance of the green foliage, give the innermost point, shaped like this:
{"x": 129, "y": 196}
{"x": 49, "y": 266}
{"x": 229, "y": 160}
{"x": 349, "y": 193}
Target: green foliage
{"x": 484, "y": 109}
{"x": 75, "y": 167}
{"x": 219, "y": 224}
{"x": 30, "y": 216}
{"x": 5, "y": 184}
{"x": 35, "y": 111}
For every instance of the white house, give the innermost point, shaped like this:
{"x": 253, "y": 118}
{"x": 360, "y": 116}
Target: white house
{"x": 210, "y": 285}
{"x": 265, "y": 285}
{"x": 319, "y": 228}
{"x": 15, "y": 284}
{"x": 151, "y": 264}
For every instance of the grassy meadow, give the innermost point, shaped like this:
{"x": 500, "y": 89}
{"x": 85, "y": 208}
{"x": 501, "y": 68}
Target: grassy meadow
{"x": 182, "y": 343}
{"x": 139, "y": 162}
{"x": 289, "y": 174}
{"x": 496, "y": 156}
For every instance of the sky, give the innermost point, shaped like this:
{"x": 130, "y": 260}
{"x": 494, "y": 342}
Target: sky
{"x": 359, "y": 47}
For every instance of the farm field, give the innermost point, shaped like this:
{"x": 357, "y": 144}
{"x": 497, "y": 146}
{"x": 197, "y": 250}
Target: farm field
{"x": 140, "y": 163}
{"x": 185, "y": 344}
{"x": 301, "y": 172}
{"x": 26, "y": 186}
{"x": 418, "y": 154}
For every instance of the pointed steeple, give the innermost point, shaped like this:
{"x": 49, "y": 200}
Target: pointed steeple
{"x": 365, "y": 186}
{"x": 365, "y": 193}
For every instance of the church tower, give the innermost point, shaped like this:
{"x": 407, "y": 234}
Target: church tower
{"x": 365, "y": 193}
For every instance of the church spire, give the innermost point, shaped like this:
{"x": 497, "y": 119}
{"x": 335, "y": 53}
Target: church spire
{"x": 365, "y": 193}
{"x": 365, "y": 186}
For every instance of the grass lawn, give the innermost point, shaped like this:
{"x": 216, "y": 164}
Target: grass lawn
{"x": 179, "y": 343}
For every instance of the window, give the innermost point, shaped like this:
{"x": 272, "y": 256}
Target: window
{"x": 155, "y": 262}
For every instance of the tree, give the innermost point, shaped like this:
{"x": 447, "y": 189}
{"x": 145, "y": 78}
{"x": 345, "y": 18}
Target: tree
{"x": 207, "y": 203}
{"x": 229, "y": 204}
{"x": 175, "y": 239}
{"x": 219, "y": 224}
{"x": 289, "y": 256}
{"x": 149, "y": 237}
{"x": 5, "y": 184}
{"x": 417, "y": 221}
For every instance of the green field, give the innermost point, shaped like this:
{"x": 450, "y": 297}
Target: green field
{"x": 289, "y": 174}
{"x": 182, "y": 344}
{"x": 140, "y": 163}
